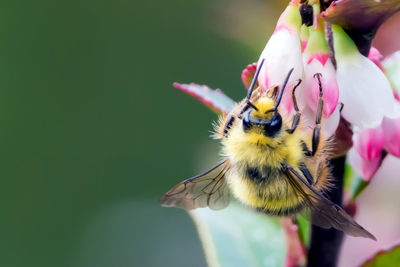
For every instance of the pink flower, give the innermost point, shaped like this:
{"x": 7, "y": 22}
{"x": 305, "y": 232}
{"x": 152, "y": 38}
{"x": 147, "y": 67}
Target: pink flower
{"x": 391, "y": 129}
{"x": 363, "y": 167}
{"x": 369, "y": 143}
{"x": 366, "y": 154}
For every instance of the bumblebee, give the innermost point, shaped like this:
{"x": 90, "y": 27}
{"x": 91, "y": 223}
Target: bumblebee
{"x": 271, "y": 164}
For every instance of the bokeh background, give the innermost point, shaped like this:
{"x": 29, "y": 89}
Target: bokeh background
{"x": 92, "y": 132}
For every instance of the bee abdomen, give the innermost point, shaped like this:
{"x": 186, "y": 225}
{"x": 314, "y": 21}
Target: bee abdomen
{"x": 283, "y": 211}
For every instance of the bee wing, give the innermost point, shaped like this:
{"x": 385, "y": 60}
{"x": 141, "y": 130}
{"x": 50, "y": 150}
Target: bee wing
{"x": 326, "y": 214}
{"x": 206, "y": 189}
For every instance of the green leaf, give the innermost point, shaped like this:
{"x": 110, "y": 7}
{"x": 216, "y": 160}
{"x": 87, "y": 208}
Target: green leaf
{"x": 357, "y": 187}
{"x": 304, "y": 230}
{"x": 348, "y": 177}
{"x": 215, "y": 99}
{"x": 361, "y": 18}
{"x": 238, "y": 236}
{"x": 385, "y": 258}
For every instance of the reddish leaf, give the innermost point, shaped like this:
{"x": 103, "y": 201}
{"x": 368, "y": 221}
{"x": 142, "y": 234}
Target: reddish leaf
{"x": 248, "y": 74}
{"x": 360, "y": 14}
{"x": 215, "y": 99}
{"x": 295, "y": 250}
{"x": 386, "y": 258}
{"x": 361, "y": 18}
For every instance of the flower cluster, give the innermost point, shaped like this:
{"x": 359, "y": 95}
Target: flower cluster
{"x": 355, "y": 88}
{"x": 371, "y": 145}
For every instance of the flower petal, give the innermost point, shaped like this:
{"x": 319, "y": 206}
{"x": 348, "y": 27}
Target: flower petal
{"x": 365, "y": 93}
{"x": 391, "y": 128}
{"x": 248, "y": 74}
{"x": 369, "y": 143}
{"x": 363, "y": 167}
{"x": 376, "y": 57}
{"x": 330, "y": 88}
{"x": 282, "y": 53}
{"x": 364, "y": 90}
{"x": 329, "y": 125}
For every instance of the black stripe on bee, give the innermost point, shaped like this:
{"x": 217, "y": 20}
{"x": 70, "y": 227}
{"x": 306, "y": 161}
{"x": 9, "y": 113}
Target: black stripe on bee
{"x": 254, "y": 174}
{"x": 261, "y": 174}
{"x": 283, "y": 211}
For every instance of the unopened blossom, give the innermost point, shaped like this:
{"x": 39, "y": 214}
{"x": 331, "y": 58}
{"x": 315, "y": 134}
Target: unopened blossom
{"x": 364, "y": 89}
{"x": 316, "y": 61}
{"x": 282, "y": 53}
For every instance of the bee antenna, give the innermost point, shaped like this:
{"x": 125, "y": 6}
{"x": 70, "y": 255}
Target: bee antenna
{"x": 278, "y": 100}
{"x": 253, "y": 83}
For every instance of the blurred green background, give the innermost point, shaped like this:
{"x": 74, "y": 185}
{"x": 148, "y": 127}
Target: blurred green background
{"x": 92, "y": 132}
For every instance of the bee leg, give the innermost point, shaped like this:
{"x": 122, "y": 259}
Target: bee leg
{"x": 317, "y": 128}
{"x": 232, "y": 117}
{"x": 306, "y": 151}
{"x": 303, "y": 168}
{"x": 291, "y": 170}
{"x": 296, "y": 118}
{"x": 230, "y": 120}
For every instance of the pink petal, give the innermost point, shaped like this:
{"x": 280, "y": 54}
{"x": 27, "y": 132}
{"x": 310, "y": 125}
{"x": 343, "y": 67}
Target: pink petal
{"x": 295, "y": 250}
{"x": 321, "y": 57}
{"x": 303, "y": 45}
{"x": 330, "y": 88}
{"x": 376, "y": 57}
{"x": 369, "y": 143}
{"x": 396, "y": 96}
{"x": 248, "y": 74}
{"x": 391, "y": 128}
{"x": 363, "y": 167}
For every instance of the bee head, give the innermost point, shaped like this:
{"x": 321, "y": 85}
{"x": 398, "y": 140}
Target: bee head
{"x": 270, "y": 123}
{"x": 266, "y": 115}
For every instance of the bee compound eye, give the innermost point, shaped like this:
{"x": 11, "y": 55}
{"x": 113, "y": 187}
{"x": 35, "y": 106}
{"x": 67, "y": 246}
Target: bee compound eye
{"x": 246, "y": 121}
{"x": 274, "y": 125}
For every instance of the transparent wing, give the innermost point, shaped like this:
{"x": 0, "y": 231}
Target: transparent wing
{"x": 326, "y": 214}
{"x": 208, "y": 189}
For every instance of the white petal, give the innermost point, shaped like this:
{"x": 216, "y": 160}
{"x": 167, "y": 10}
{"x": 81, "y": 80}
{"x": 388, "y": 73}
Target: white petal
{"x": 282, "y": 53}
{"x": 365, "y": 92}
{"x": 329, "y": 125}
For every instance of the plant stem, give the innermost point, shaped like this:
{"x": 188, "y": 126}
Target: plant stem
{"x": 325, "y": 243}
